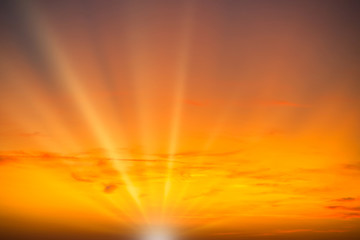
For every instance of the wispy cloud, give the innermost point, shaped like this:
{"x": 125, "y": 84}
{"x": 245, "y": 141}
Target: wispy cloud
{"x": 81, "y": 179}
{"x": 345, "y": 199}
{"x": 344, "y": 208}
{"x": 199, "y": 154}
{"x": 346, "y": 211}
{"x": 208, "y": 193}
{"x": 351, "y": 215}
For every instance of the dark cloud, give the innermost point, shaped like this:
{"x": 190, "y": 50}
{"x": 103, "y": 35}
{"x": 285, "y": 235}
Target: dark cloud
{"x": 345, "y": 199}
{"x": 109, "y": 188}
{"x": 356, "y": 209}
{"x": 334, "y": 207}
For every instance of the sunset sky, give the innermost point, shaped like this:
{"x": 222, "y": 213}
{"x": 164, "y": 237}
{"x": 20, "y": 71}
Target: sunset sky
{"x": 204, "y": 119}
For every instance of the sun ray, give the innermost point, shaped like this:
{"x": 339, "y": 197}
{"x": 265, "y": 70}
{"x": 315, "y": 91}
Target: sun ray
{"x": 179, "y": 96}
{"x": 71, "y": 81}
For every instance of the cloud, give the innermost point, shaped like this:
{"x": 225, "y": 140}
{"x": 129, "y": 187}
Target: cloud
{"x": 210, "y": 192}
{"x": 294, "y": 230}
{"x": 344, "y": 208}
{"x": 199, "y": 154}
{"x": 345, "y": 199}
{"x": 226, "y": 233}
{"x": 81, "y": 179}
{"x": 352, "y": 212}
{"x": 109, "y": 188}
{"x": 305, "y": 230}
{"x": 355, "y": 166}
{"x": 351, "y": 215}
{"x": 334, "y": 207}
{"x": 238, "y": 174}
{"x": 87, "y": 169}
{"x": 6, "y": 159}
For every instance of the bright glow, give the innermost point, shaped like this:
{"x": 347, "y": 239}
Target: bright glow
{"x": 157, "y": 234}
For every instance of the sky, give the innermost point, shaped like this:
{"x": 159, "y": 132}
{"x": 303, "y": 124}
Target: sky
{"x": 203, "y": 119}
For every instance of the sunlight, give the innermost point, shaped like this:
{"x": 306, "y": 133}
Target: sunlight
{"x": 157, "y": 233}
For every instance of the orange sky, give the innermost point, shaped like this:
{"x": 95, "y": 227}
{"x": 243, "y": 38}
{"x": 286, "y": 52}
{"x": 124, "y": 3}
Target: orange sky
{"x": 215, "y": 119}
